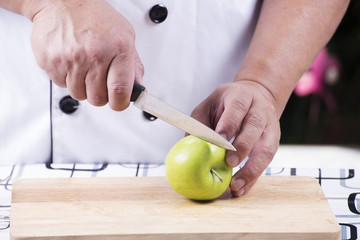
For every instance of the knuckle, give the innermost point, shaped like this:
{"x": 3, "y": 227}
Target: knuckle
{"x": 233, "y": 123}
{"x": 239, "y": 105}
{"x": 98, "y": 100}
{"x": 256, "y": 121}
{"x": 243, "y": 145}
{"x": 254, "y": 171}
{"x": 76, "y": 56}
{"x": 95, "y": 55}
{"x": 118, "y": 89}
{"x": 268, "y": 153}
{"x": 123, "y": 46}
{"x": 55, "y": 60}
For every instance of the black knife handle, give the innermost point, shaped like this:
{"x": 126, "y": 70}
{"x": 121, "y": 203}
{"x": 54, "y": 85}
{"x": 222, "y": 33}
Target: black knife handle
{"x": 137, "y": 89}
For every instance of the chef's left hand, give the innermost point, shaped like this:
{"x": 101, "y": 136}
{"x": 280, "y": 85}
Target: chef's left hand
{"x": 245, "y": 111}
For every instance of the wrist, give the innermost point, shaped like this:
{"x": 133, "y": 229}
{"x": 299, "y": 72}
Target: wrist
{"x": 30, "y": 8}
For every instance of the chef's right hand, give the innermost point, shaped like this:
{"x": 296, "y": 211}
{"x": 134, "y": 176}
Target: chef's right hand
{"x": 89, "y": 48}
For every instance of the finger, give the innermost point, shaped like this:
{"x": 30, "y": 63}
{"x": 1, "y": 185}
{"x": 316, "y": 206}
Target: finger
{"x": 77, "y": 69}
{"x": 96, "y": 85}
{"x": 251, "y": 129}
{"x": 232, "y": 116}
{"x": 57, "y": 78}
{"x": 75, "y": 82}
{"x": 139, "y": 69}
{"x": 120, "y": 79}
{"x": 259, "y": 158}
{"x": 56, "y": 70}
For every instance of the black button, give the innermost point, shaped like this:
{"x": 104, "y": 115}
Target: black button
{"x": 68, "y": 105}
{"x": 158, "y": 13}
{"x": 149, "y": 117}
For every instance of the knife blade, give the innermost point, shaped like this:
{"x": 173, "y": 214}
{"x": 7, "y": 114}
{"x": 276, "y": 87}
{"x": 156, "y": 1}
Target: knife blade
{"x": 150, "y": 104}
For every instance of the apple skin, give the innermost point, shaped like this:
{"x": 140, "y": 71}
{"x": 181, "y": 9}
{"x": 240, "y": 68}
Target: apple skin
{"x": 188, "y": 169}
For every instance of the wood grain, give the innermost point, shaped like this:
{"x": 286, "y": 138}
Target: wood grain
{"x": 147, "y": 208}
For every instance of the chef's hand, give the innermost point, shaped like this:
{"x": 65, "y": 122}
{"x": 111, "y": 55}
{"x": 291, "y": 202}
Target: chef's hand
{"x": 249, "y": 108}
{"x": 246, "y": 111}
{"x": 89, "y": 48}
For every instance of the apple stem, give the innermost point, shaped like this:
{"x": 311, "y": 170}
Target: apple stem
{"x": 216, "y": 174}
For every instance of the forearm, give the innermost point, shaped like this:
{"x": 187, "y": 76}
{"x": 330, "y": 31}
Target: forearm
{"x": 27, "y": 8}
{"x": 287, "y": 39}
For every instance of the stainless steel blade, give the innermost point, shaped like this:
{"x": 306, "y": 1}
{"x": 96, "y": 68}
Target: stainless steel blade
{"x": 165, "y": 112}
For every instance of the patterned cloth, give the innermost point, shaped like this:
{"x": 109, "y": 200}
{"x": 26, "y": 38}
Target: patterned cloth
{"x": 341, "y": 186}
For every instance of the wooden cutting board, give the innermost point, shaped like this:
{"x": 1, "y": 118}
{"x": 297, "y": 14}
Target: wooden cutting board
{"x": 147, "y": 208}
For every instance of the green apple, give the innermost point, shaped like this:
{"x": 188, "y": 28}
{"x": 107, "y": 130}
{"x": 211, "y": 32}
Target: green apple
{"x": 197, "y": 169}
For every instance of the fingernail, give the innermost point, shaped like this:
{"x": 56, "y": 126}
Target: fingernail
{"x": 232, "y": 160}
{"x": 223, "y": 135}
{"x": 238, "y": 184}
{"x": 238, "y": 193}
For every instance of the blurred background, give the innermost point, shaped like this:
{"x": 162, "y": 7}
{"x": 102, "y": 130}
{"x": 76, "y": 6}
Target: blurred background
{"x": 325, "y": 106}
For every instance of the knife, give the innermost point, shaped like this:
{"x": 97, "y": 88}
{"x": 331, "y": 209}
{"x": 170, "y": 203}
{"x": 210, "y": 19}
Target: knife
{"x": 167, "y": 113}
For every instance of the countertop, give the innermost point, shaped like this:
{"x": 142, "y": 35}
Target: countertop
{"x": 337, "y": 168}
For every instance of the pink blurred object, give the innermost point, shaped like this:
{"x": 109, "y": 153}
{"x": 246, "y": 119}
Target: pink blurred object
{"x": 324, "y": 72}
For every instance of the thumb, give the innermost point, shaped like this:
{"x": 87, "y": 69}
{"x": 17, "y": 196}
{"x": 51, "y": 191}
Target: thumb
{"x": 139, "y": 69}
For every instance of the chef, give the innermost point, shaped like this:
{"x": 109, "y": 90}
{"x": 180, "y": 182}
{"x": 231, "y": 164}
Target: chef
{"x": 230, "y": 64}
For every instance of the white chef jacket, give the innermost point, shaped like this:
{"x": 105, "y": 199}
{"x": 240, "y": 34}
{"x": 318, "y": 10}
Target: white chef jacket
{"x": 199, "y": 46}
